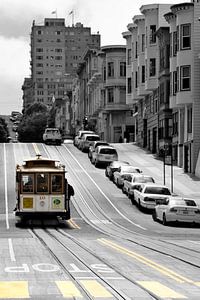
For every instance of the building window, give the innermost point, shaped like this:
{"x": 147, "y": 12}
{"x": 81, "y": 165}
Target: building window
{"x": 185, "y": 36}
{"x": 174, "y": 43}
{"x": 175, "y": 123}
{"x": 129, "y": 56}
{"x": 110, "y": 69}
{"x": 110, "y": 95}
{"x": 189, "y": 120}
{"x": 143, "y": 74}
{"x": 136, "y": 79}
{"x": 136, "y": 49}
{"x": 152, "y": 67}
{"x": 162, "y": 93}
{"x": 174, "y": 82}
{"x": 122, "y": 69}
{"x": 143, "y": 42}
{"x": 185, "y": 78}
{"x": 122, "y": 94}
{"x": 152, "y": 36}
{"x": 129, "y": 85}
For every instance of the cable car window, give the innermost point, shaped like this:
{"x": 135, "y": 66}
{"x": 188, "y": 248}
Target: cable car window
{"x": 42, "y": 183}
{"x": 56, "y": 183}
{"x": 27, "y": 183}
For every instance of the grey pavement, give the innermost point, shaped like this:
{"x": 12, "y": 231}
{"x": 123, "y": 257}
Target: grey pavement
{"x": 180, "y": 182}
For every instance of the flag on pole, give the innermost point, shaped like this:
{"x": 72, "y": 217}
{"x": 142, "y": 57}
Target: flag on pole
{"x": 71, "y": 12}
{"x": 54, "y": 12}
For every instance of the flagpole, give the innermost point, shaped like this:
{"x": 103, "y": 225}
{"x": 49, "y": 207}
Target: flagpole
{"x": 72, "y": 18}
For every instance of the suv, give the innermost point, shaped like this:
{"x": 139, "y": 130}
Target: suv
{"x": 86, "y": 141}
{"x": 52, "y": 136}
{"x": 94, "y": 145}
{"x": 104, "y": 155}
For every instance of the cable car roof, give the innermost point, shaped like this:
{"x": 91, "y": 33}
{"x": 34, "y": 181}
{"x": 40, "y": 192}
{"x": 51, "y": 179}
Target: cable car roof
{"x": 41, "y": 164}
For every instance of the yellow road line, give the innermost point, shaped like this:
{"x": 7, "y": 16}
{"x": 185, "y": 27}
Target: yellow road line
{"x": 148, "y": 262}
{"x": 73, "y": 223}
{"x": 14, "y": 289}
{"x": 95, "y": 288}
{"x": 37, "y": 151}
{"x": 68, "y": 289}
{"x": 160, "y": 290}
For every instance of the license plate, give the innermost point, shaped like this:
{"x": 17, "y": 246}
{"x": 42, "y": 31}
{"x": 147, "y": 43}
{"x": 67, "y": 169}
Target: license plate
{"x": 27, "y": 202}
{"x": 107, "y": 157}
{"x": 185, "y": 212}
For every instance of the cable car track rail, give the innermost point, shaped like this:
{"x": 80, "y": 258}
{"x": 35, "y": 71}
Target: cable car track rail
{"x": 186, "y": 254}
{"x": 57, "y": 236}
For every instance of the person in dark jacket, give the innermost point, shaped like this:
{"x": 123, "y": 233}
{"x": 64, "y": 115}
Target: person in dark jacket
{"x": 69, "y": 189}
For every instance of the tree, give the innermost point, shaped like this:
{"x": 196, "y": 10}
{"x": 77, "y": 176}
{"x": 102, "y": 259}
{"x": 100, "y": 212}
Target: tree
{"x": 33, "y": 123}
{"x": 4, "y": 133}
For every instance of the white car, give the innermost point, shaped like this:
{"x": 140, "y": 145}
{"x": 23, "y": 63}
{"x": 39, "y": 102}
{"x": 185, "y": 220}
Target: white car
{"x": 79, "y": 135}
{"x": 104, "y": 155}
{"x": 147, "y": 194}
{"x": 132, "y": 181}
{"x": 86, "y": 141}
{"x": 122, "y": 170}
{"x": 94, "y": 145}
{"x": 176, "y": 209}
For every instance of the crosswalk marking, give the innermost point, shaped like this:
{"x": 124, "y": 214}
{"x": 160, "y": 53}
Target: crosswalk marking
{"x": 95, "y": 288}
{"x": 160, "y": 290}
{"x": 68, "y": 289}
{"x": 14, "y": 289}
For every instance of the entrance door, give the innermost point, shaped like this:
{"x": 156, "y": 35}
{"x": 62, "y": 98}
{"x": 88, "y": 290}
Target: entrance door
{"x": 186, "y": 158}
{"x": 145, "y": 133}
{"x": 154, "y": 146}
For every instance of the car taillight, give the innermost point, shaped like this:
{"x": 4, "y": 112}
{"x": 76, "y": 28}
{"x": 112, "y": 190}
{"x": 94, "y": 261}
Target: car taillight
{"x": 173, "y": 209}
{"x": 197, "y": 211}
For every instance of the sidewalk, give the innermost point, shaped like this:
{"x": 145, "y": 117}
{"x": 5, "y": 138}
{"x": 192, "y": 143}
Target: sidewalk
{"x": 182, "y": 183}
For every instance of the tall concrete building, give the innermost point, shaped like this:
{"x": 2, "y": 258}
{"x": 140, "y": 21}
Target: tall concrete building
{"x": 56, "y": 51}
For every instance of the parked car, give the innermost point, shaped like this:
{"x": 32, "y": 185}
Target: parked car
{"x": 86, "y": 141}
{"x": 147, "y": 194}
{"x": 114, "y": 166}
{"x": 104, "y": 155}
{"x": 117, "y": 176}
{"x": 94, "y": 144}
{"x": 79, "y": 135}
{"x": 176, "y": 209}
{"x": 132, "y": 181}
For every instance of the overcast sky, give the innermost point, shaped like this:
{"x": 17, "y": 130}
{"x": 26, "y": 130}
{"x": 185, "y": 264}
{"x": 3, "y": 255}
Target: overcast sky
{"x": 109, "y": 17}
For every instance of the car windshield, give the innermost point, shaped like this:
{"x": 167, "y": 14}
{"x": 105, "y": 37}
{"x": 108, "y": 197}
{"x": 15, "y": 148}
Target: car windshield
{"x": 130, "y": 169}
{"x": 108, "y": 151}
{"x": 157, "y": 190}
{"x": 143, "y": 179}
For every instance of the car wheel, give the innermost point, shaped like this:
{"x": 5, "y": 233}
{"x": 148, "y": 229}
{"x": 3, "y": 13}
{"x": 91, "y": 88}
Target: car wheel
{"x": 164, "y": 221}
{"x": 96, "y": 163}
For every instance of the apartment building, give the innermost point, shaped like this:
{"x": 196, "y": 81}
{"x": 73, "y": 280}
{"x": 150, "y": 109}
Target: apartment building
{"x": 102, "y": 77}
{"x": 183, "y": 20}
{"x": 163, "y": 52}
{"x": 56, "y": 51}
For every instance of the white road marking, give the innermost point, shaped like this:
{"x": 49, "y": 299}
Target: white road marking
{"x": 11, "y": 250}
{"x": 6, "y": 190}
